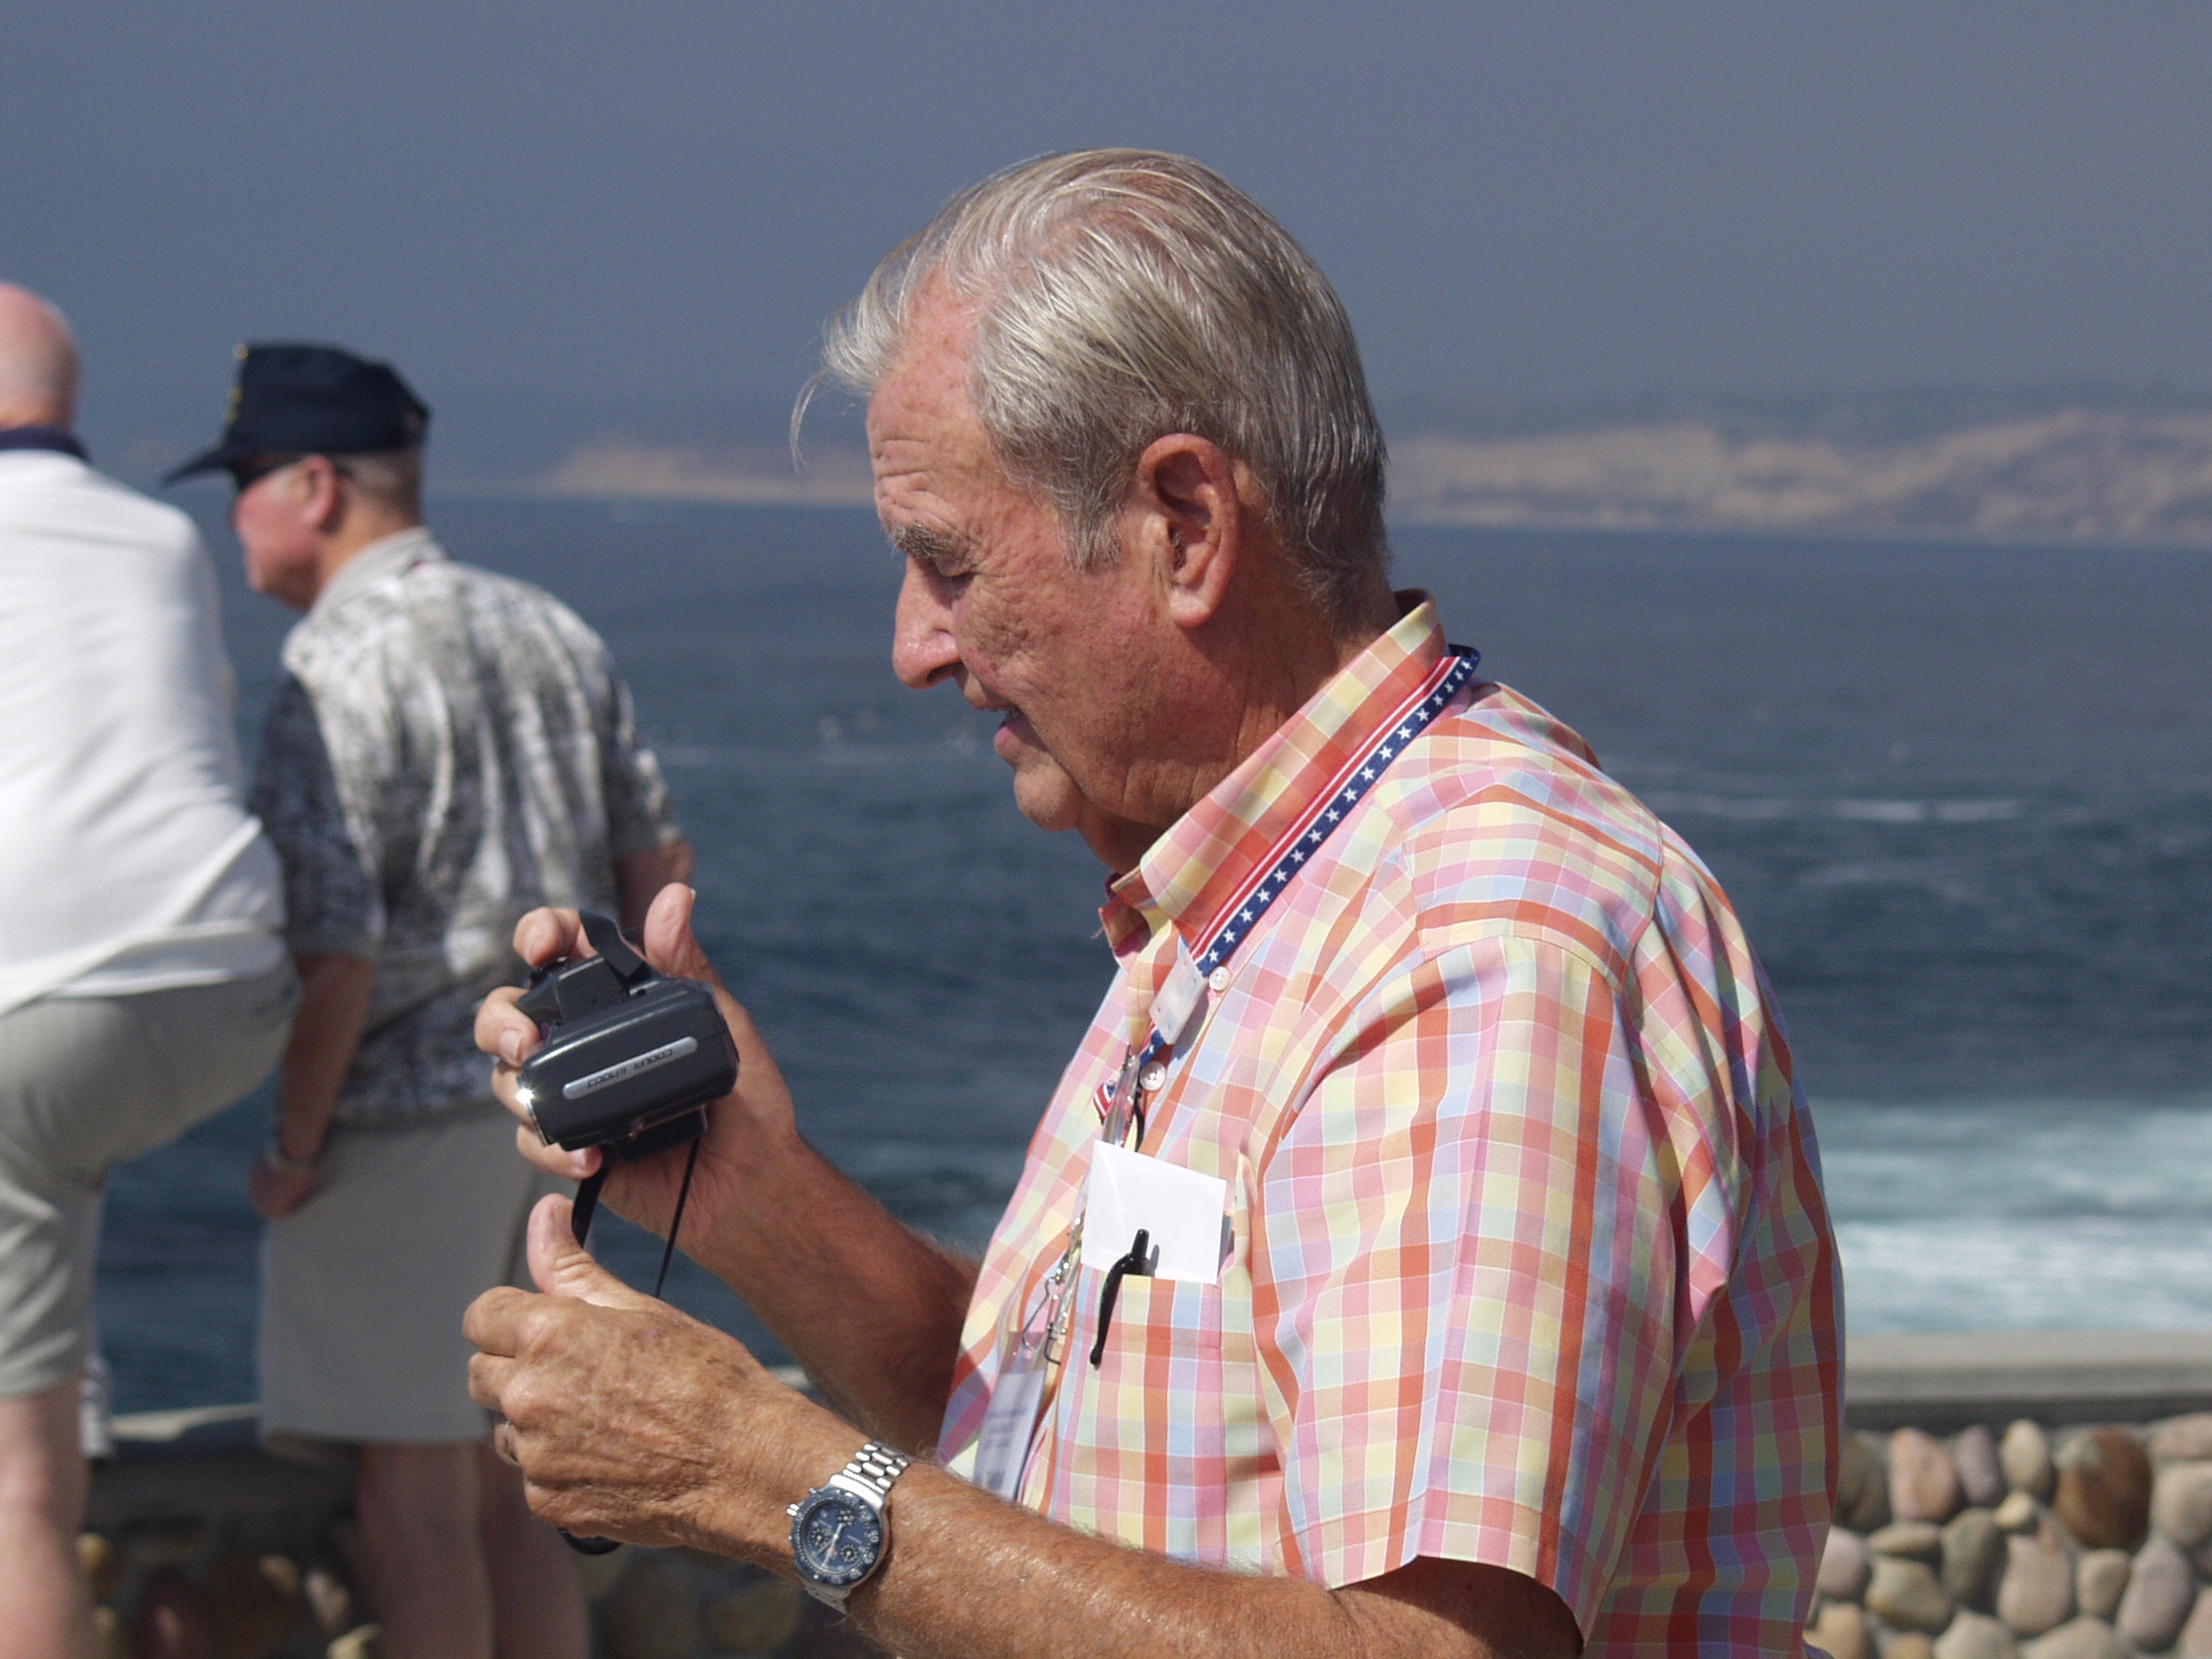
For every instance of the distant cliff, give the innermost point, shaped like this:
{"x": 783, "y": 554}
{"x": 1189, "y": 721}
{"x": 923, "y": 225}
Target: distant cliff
{"x": 2076, "y": 473}
{"x": 758, "y": 476}
{"x": 2093, "y": 475}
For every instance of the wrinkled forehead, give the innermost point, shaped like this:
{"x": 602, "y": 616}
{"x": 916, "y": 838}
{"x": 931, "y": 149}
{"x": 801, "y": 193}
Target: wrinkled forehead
{"x": 927, "y": 380}
{"x": 924, "y": 397}
{"x": 925, "y": 442}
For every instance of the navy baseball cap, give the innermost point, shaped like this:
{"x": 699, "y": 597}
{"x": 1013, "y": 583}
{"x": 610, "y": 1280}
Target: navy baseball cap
{"x": 312, "y": 400}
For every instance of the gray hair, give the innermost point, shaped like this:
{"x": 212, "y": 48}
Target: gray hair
{"x": 1124, "y": 296}
{"x": 391, "y": 478}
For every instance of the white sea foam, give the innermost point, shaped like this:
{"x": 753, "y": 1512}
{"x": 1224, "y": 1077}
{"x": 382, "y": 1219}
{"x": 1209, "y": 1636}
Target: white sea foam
{"x": 2065, "y": 1215}
{"x": 1672, "y": 803}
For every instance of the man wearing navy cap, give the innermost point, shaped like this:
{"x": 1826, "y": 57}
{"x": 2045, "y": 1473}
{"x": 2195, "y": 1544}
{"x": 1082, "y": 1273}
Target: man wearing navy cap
{"x": 448, "y": 750}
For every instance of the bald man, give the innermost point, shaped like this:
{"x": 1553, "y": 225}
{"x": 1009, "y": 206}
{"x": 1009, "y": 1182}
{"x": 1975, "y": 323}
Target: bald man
{"x": 142, "y": 981}
{"x": 37, "y": 363}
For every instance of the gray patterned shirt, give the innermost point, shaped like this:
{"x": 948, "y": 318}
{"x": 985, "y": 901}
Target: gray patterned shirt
{"x": 449, "y": 749}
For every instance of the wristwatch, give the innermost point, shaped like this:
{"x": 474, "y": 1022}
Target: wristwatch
{"x": 838, "y": 1531}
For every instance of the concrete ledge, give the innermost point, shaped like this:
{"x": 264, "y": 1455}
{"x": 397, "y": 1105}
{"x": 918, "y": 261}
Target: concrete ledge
{"x": 1949, "y": 1380}
{"x": 207, "y": 1463}
{"x": 215, "y": 1487}
{"x": 142, "y": 1429}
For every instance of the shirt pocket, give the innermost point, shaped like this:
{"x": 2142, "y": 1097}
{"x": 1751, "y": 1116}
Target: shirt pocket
{"x": 1148, "y": 1444}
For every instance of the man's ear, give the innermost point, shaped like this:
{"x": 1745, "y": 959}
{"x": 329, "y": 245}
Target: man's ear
{"x": 325, "y": 504}
{"x": 1189, "y": 524}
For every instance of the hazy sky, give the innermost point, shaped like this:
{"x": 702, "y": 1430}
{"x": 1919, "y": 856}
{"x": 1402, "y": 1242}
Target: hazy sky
{"x": 564, "y": 219}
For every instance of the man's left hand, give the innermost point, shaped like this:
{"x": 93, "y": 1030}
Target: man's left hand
{"x": 277, "y": 1193}
{"x": 631, "y": 1420}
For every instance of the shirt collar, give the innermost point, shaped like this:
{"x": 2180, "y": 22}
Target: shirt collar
{"x": 1190, "y": 874}
{"x": 380, "y": 559}
{"x": 56, "y": 438}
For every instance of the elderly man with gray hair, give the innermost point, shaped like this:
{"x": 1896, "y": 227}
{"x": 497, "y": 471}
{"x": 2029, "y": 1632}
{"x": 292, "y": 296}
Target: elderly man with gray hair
{"x": 1424, "y": 1253}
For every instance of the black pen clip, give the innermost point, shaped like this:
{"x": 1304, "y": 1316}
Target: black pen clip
{"x": 1139, "y": 1262}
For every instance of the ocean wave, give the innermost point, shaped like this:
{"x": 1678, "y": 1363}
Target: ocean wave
{"x": 2009, "y": 1215}
{"x": 1850, "y": 809}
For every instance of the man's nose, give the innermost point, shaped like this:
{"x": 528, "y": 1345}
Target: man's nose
{"x": 922, "y": 649}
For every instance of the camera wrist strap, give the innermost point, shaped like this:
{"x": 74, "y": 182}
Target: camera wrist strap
{"x": 579, "y": 1223}
{"x": 587, "y": 1204}
{"x": 588, "y": 1200}
{"x": 683, "y": 1195}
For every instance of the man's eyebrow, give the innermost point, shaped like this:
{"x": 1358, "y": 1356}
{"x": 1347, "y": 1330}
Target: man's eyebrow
{"x": 930, "y": 546}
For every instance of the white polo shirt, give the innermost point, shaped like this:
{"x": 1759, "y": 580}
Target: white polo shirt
{"x": 127, "y": 859}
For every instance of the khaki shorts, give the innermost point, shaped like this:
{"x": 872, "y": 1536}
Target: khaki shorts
{"x": 363, "y": 1286}
{"x": 86, "y": 1082}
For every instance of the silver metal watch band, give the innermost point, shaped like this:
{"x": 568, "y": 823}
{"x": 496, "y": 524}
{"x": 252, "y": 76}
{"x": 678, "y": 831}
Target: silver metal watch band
{"x": 876, "y": 1466}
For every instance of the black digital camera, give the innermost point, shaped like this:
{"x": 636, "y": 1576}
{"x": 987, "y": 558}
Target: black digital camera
{"x": 630, "y": 1061}
{"x": 631, "y": 1058}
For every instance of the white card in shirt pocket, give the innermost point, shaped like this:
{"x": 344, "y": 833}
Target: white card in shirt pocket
{"x": 1180, "y": 1209}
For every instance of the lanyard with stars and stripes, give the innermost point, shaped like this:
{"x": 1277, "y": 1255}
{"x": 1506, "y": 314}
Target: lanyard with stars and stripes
{"x": 1034, "y": 1335}
{"x": 1143, "y": 1074}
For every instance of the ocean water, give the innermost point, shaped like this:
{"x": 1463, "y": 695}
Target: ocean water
{"x": 1963, "y": 796}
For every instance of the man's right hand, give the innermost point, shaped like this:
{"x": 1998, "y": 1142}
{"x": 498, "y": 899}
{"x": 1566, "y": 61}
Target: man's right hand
{"x": 746, "y": 1129}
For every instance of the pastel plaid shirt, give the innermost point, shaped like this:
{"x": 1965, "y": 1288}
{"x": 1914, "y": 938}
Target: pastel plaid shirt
{"x": 1528, "y": 1261}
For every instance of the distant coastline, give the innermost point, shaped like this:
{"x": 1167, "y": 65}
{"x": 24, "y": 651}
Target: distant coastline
{"x": 619, "y": 469}
{"x": 2075, "y": 475}
{"x": 2082, "y": 473}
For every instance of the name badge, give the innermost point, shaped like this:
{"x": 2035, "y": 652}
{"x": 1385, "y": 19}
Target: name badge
{"x": 1010, "y": 1424}
{"x": 1180, "y": 1211}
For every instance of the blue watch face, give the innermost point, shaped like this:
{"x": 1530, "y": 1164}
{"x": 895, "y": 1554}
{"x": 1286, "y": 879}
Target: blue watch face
{"x": 836, "y": 1537}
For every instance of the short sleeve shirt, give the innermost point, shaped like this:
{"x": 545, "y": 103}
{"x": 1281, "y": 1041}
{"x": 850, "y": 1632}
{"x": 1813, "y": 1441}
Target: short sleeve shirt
{"x": 449, "y": 749}
{"x": 1528, "y": 1261}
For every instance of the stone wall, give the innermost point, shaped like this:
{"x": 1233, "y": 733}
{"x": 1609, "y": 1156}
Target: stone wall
{"x": 2039, "y": 1495}
{"x": 203, "y": 1547}
{"x": 2011, "y": 1542}
{"x": 213, "y": 1590}
{"x": 2087, "y": 1541}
